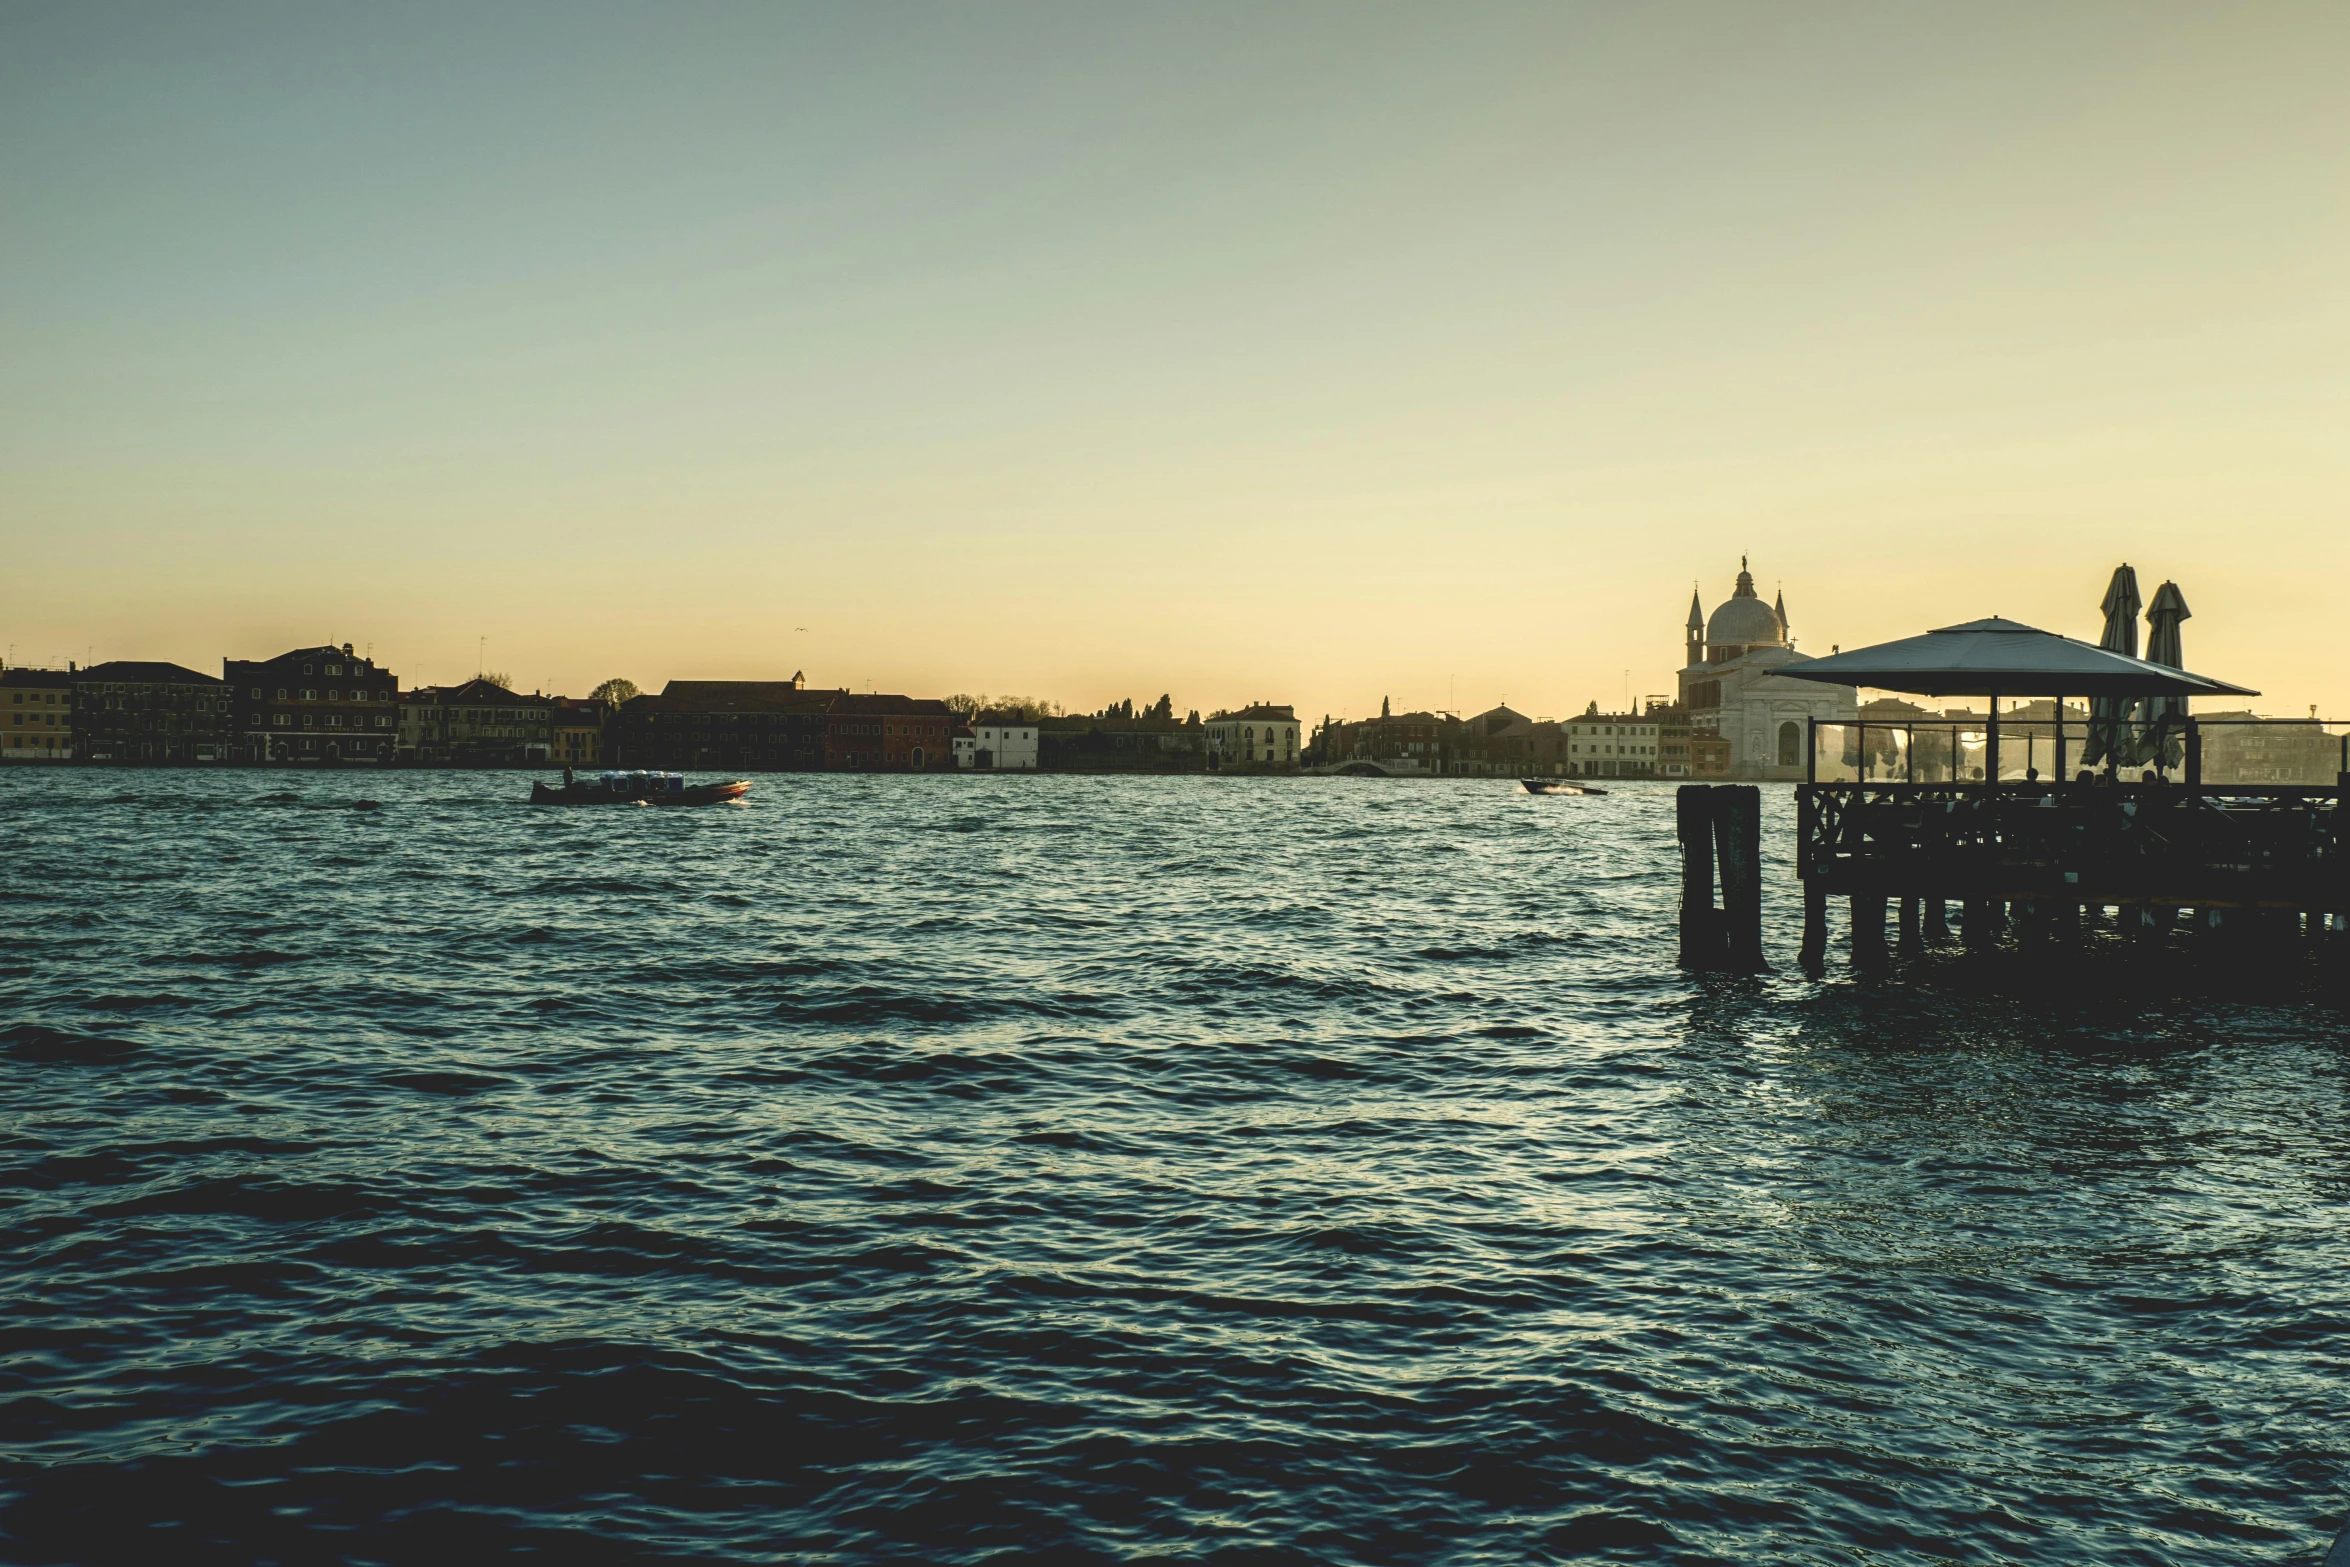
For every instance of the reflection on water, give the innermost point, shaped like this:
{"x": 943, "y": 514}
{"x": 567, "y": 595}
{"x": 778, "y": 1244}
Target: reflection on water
{"x": 1037, "y": 1167}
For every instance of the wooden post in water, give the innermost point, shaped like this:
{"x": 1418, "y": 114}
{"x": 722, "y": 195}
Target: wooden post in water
{"x": 1937, "y": 921}
{"x": 1738, "y": 841}
{"x": 1703, "y": 937}
{"x": 1980, "y": 934}
{"x": 1868, "y": 932}
{"x": 1814, "y": 954}
{"x": 1912, "y": 942}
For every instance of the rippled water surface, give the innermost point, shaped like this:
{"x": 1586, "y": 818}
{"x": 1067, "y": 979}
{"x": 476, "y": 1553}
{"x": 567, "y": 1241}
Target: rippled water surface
{"x": 1069, "y": 1169}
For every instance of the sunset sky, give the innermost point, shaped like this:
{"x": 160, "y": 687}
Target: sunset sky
{"x": 1307, "y": 352}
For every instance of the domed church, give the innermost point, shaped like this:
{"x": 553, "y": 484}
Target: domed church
{"x": 1729, "y": 689}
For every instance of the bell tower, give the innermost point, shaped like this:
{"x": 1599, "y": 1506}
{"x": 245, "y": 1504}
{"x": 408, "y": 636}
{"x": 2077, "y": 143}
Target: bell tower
{"x": 1696, "y": 648}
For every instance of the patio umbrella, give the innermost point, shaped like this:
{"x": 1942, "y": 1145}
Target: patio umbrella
{"x": 2110, "y": 736}
{"x": 1998, "y": 657}
{"x": 2162, "y": 727}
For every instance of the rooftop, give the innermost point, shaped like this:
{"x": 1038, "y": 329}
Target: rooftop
{"x": 147, "y": 671}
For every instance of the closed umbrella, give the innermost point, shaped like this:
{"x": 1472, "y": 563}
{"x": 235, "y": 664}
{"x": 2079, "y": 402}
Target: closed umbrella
{"x": 2162, "y": 731}
{"x": 2110, "y": 737}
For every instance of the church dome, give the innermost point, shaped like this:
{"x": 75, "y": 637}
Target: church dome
{"x": 1744, "y": 620}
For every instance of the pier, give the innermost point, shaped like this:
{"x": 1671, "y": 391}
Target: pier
{"x": 2265, "y": 859}
{"x": 1910, "y": 818}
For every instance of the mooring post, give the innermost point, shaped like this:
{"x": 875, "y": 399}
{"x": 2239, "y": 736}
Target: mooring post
{"x": 1912, "y": 942}
{"x": 1814, "y": 954}
{"x": 1703, "y": 944}
{"x": 1937, "y": 921}
{"x": 1868, "y": 931}
{"x": 1738, "y": 838}
{"x": 1979, "y": 933}
{"x": 2029, "y": 917}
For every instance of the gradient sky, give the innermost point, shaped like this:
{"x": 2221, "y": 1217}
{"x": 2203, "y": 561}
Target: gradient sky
{"x": 1308, "y": 352}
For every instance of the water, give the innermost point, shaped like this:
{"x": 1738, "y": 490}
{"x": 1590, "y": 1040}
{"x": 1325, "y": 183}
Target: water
{"x": 1062, "y": 1169}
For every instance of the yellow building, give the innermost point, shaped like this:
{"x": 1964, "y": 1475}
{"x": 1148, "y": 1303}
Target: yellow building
{"x": 577, "y": 735}
{"x": 36, "y": 715}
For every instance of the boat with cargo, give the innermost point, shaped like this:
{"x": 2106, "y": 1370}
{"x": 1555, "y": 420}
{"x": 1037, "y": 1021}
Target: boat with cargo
{"x": 635, "y": 788}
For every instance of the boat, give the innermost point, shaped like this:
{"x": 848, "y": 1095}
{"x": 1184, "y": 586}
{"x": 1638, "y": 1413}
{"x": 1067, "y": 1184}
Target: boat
{"x": 635, "y": 788}
{"x": 1558, "y": 786}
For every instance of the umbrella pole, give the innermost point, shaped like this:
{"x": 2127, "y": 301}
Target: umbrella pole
{"x": 1991, "y": 745}
{"x": 2060, "y": 739}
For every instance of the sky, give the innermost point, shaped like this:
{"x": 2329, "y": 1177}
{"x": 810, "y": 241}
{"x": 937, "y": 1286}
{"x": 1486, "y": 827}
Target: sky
{"x": 1308, "y": 353}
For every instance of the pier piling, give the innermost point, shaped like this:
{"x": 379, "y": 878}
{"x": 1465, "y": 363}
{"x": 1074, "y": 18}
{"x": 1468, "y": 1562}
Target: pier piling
{"x": 1738, "y": 839}
{"x": 1868, "y": 932}
{"x": 1721, "y": 826}
{"x": 1912, "y": 941}
{"x": 1704, "y": 939}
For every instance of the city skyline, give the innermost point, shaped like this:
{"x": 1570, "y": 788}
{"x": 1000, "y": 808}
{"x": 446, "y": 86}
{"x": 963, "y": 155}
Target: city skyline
{"x": 1325, "y": 354}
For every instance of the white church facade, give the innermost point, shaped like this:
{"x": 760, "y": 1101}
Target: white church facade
{"x": 1731, "y": 689}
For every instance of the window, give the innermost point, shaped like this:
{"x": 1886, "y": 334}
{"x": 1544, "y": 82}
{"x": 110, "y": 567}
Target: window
{"x": 307, "y": 670}
{"x": 309, "y": 693}
{"x": 334, "y": 696}
{"x": 1790, "y": 745}
{"x": 256, "y": 693}
{"x": 334, "y": 669}
{"x": 281, "y": 693}
{"x": 279, "y": 720}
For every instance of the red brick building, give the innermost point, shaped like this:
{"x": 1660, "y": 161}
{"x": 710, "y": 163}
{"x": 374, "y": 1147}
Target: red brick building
{"x": 889, "y": 734}
{"x": 735, "y": 725}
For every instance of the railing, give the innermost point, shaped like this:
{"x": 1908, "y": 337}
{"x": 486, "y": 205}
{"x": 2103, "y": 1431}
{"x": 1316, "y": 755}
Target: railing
{"x": 2084, "y": 843}
{"x": 2209, "y": 753}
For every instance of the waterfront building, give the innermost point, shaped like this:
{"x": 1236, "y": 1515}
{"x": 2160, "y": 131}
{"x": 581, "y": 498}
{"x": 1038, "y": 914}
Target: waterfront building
{"x": 477, "y": 724}
{"x": 2239, "y": 749}
{"x": 36, "y": 715}
{"x": 1505, "y": 742}
{"x": 735, "y": 725}
{"x": 1395, "y": 743}
{"x": 1673, "y": 759}
{"x": 889, "y": 734}
{"x": 314, "y": 704}
{"x": 781, "y": 726}
{"x": 1260, "y": 737}
{"x": 132, "y": 711}
{"x": 1732, "y": 688}
{"x": 1120, "y": 741}
{"x": 575, "y": 735}
{"x": 1001, "y": 742}
{"x": 1613, "y": 745}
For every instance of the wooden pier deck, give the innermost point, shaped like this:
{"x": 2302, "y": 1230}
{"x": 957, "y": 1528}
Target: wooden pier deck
{"x": 2156, "y": 849}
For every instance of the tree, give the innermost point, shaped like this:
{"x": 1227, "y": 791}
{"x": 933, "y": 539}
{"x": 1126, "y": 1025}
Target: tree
{"x": 615, "y": 691}
{"x": 498, "y": 677}
{"x": 969, "y": 706}
{"x": 1165, "y": 711}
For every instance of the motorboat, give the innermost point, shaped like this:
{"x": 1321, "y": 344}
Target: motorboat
{"x": 635, "y": 788}
{"x": 1558, "y": 786}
